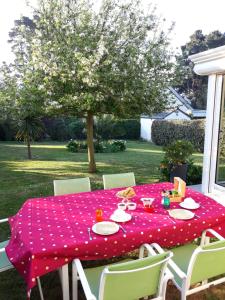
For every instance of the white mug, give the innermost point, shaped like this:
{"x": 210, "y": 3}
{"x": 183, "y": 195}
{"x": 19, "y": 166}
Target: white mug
{"x": 131, "y": 205}
{"x": 122, "y": 206}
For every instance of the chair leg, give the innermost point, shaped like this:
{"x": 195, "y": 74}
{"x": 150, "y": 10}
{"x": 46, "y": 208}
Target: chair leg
{"x": 183, "y": 295}
{"x": 74, "y": 282}
{"x": 40, "y": 288}
{"x": 64, "y": 277}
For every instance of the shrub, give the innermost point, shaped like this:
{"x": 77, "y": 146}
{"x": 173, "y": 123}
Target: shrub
{"x": 177, "y": 153}
{"x": 100, "y": 146}
{"x": 164, "y": 132}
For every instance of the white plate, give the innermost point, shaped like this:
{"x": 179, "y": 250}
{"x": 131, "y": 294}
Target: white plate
{"x": 181, "y": 214}
{"x": 122, "y": 218}
{"x": 190, "y": 206}
{"x": 105, "y": 228}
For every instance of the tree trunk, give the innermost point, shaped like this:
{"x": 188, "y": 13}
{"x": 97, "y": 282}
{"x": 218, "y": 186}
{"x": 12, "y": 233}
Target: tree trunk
{"x": 29, "y": 148}
{"x": 90, "y": 143}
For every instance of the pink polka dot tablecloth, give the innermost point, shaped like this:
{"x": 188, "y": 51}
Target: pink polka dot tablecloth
{"x": 47, "y": 233}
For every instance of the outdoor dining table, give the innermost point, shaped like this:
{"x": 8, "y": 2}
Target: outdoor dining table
{"x": 50, "y": 232}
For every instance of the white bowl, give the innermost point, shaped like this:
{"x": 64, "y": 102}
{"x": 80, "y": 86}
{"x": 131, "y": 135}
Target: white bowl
{"x": 148, "y": 201}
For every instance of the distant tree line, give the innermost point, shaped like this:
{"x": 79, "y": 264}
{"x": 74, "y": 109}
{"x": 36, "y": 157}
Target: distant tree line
{"x": 188, "y": 83}
{"x": 66, "y": 128}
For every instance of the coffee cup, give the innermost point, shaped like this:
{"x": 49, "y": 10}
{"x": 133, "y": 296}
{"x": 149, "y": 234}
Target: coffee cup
{"x": 131, "y": 206}
{"x": 122, "y": 206}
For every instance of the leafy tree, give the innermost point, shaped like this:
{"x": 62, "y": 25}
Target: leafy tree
{"x": 30, "y": 128}
{"x": 91, "y": 61}
{"x": 20, "y": 97}
{"x": 189, "y": 83}
{"x": 111, "y": 60}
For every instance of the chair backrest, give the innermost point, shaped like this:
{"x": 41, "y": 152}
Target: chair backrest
{"x": 207, "y": 262}
{"x": 118, "y": 180}
{"x": 133, "y": 279}
{"x": 71, "y": 186}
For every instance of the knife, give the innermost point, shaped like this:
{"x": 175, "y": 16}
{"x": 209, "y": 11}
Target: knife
{"x": 89, "y": 233}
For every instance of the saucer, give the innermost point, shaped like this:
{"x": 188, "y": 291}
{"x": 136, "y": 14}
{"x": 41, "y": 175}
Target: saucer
{"x": 194, "y": 205}
{"x": 121, "y": 218}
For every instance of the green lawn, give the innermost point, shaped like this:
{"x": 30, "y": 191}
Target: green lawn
{"x": 21, "y": 179}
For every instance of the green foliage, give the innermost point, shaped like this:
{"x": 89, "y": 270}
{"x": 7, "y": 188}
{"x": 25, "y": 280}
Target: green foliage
{"x": 188, "y": 82}
{"x": 178, "y": 152}
{"x": 100, "y": 146}
{"x": 111, "y": 60}
{"x": 7, "y": 130}
{"x": 76, "y": 129}
{"x": 194, "y": 174}
{"x": 30, "y": 128}
{"x": 73, "y": 58}
{"x": 56, "y": 129}
{"x": 164, "y": 132}
{"x": 105, "y": 128}
{"x": 108, "y": 127}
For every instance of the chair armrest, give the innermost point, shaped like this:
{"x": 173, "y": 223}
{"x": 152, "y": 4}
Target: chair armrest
{"x": 176, "y": 269}
{"x": 4, "y": 220}
{"x": 171, "y": 263}
{"x": 83, "y": 280}
{"x": 212, "y": 232}
{"x": 148, "y": 248}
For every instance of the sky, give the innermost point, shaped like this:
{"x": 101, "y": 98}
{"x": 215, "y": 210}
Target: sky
{"x": 188, "y": 15}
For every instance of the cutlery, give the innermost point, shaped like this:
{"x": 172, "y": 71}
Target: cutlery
{"x": 174, "y": 222}
{"x": 124, "y": 230}
{"x": 89, "y": 233}
{"x": 195, "y": 216}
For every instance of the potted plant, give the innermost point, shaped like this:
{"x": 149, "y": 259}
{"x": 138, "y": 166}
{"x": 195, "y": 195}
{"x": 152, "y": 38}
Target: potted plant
{"x": 175, "y": 162}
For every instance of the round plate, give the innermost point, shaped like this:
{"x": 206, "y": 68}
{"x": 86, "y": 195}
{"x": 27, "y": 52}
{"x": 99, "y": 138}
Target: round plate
{"x": 181, "y": 214}
{"x": 105, "y": 228}
{"x": 123, "y": 218}
{"x": 192, "y": 206}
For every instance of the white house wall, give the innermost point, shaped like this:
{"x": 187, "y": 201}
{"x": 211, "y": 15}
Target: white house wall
{"x": 146, "y": 129}
{"x": 146, "y": 124}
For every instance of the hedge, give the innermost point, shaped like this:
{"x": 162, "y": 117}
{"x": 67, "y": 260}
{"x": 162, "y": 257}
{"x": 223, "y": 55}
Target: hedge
{"x": 165, "y": 132}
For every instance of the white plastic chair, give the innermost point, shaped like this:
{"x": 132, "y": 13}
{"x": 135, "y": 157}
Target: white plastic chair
{"x": 111, "y": 181}
{"x": 6, "y": 265}
{"x": 129, "y": 279}
{"x": 62, "y": 187}
{"x": 71, "y": 186}
{"x": 192, "y": 264}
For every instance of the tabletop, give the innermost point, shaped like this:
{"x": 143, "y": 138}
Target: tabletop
{"x": 50, "y": 232}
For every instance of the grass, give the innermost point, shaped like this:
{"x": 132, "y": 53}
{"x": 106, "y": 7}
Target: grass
{"x": 21, "y": 179}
